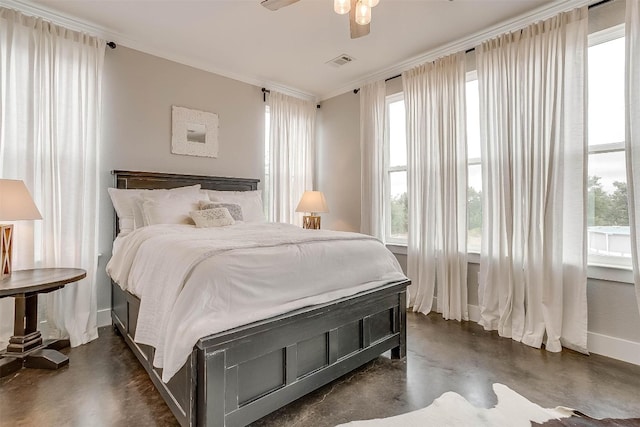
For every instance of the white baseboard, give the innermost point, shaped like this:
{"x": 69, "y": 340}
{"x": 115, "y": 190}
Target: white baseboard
{"x": 604, "y": 345}
{"x": 613, "y": 347}
{"x": 104, "y": 317}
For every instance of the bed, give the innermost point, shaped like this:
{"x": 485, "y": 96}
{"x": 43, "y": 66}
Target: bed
{"x": 236, "y": 376}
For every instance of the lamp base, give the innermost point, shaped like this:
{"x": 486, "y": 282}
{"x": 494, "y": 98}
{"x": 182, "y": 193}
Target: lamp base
{"x": 311, "y": 222}
{"x": 6, "y": 246}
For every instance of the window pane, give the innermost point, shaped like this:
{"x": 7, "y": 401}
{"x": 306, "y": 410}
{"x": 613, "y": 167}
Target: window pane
{"x": 267, "y": 176}
{"x": 607, "y": 214}
{"x": 399, "y": 206}
{"x": 606, "y": 92}
{"x": 397, "y": 134}
{"x": 474, "y": 208}
{"x": 473, "y": 120}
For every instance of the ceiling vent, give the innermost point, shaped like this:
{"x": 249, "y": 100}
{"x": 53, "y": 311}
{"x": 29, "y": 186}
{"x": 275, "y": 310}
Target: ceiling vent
{"x": 340, "y": 60}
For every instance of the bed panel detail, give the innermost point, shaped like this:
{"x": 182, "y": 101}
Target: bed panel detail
{"x": 266, "y": 370}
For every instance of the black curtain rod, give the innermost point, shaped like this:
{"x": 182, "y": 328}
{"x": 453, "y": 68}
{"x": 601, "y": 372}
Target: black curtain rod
{"x": 600, "y": 3}
{"x": 112, "y": 45}
{"x": 266, "y": 91}
{"x": 386, "y": 80}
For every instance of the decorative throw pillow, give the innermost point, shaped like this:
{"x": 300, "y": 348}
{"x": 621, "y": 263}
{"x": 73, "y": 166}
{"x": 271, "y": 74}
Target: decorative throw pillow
{"x": 250, "y": 201}
{"x": 234, "y": 209}
{"x": 216, "y": 217}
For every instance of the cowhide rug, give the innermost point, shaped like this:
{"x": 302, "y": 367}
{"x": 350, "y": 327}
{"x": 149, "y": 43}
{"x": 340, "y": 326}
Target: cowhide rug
{"x": 512, "y": 410}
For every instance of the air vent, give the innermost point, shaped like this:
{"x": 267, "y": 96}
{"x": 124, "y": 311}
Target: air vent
{"x": 341, "y": 60}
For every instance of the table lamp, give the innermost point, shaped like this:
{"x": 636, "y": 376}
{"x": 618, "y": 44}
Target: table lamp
{"x": 312, "y": 202}
{"x": 16, "y": 204}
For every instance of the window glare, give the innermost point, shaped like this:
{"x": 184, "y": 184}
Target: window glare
{"x": 606, "y": 92}
{"x": 397, "y": 134}
{"x": 473, "y": 120}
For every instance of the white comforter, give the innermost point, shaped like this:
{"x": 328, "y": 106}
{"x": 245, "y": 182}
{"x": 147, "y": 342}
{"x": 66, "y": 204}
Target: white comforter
{"x": 194, "y": 282}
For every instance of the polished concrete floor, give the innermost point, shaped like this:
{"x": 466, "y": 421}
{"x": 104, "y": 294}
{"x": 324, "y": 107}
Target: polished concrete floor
{"x": 105, "y": 386}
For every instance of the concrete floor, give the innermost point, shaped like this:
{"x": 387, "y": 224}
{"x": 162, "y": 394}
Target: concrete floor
{"x": 104, "y": 385}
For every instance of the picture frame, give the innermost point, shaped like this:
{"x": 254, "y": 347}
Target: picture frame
{"x": 194, "y": 132}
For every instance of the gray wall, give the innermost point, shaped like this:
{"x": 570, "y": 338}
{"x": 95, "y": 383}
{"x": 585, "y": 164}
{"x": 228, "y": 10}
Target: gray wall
{"x": 338, "y": 161}
{"x": 138, "y": 92}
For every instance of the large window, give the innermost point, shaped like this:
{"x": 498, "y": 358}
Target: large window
{"x": 607, "y": 216}
{"x": 474, "y": 167}
{"x": 266, "y": 196}
{"x": 397, "y": 207}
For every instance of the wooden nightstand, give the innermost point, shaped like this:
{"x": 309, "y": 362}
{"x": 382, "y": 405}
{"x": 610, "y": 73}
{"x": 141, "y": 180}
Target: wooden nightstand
{"x": 26, "y": 347}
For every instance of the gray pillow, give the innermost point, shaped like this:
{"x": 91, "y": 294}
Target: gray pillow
{"x": 234, "y": 209}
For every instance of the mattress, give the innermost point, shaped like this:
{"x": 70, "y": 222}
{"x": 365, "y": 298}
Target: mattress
{"x": 194, "y": 282}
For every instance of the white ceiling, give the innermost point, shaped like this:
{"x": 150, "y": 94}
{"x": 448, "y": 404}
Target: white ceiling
{"x": 287, "y": 49}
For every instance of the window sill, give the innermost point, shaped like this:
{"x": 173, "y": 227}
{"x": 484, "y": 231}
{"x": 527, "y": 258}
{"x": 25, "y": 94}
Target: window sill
{"x": 597, "y": 272}
{"x": 397, "y": 248}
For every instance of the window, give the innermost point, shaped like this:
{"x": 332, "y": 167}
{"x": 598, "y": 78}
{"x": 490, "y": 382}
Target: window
{"x": 474, "y": 167}
{"x": 608, "y": 233}
{"x": 265, "y": 188}
{"x": 397, "y": 207}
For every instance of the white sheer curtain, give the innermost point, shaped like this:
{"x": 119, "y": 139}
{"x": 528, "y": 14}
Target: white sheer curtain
{"x": 372, "y": 119}
{"x": 434, "y": 95}
{"x": 632, "y": 40}
{"x": 49, "y": 134}
{"x": 291, "y": 148}
{"x": 533, "y": 116}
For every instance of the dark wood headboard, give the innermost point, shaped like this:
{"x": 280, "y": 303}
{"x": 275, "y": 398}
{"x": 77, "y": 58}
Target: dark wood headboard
{"x": 159, "y": 180}
{"x": 156, "y": 180}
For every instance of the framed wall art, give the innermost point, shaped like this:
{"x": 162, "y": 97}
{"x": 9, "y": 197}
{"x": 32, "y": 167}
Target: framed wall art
{"x": 194, "y": 132}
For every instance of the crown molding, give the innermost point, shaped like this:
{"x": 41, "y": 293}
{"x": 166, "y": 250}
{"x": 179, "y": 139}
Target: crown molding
{"x": 466, "y": 43}
{"x": 76, "y": 24}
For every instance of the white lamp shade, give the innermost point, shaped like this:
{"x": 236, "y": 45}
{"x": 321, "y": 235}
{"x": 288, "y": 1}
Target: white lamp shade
{"x": 363, "y": 13}
{"x": 16, "y": 202}
{"x": 312, "y": 201}
{"x": 371, "y": 3}
{"x": 341, "y": 6}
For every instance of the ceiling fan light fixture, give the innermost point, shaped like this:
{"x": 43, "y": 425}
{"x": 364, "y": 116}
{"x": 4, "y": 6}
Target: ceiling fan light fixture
{"x": 370, "y": 3}
{"x": 341, "y": 7}
{"x": 363, "y": 13}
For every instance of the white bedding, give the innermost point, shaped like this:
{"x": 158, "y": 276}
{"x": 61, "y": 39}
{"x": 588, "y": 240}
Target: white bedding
{"x": 194, "y": 282}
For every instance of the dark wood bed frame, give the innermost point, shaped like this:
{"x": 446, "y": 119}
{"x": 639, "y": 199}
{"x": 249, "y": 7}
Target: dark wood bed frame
{"x": 237, "y": 376}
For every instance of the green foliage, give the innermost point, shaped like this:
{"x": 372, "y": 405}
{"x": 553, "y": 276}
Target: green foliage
{"x": 399, "y": 215}
{"x": 607, "y": 208}
{"x": 474, "y": 209}
{"x": 603, "y": 208}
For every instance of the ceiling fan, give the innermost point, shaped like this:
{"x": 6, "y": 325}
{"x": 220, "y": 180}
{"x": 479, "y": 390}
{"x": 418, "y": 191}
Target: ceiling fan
{"x": 359, "y": 12}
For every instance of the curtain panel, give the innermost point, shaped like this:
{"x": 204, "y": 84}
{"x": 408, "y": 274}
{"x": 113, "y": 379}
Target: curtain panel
{"x": 291, "y": 148}
{"x": 533, "y": 117}
{"x": 49, "y": 137}
{"x": 632, "y": 139}
{"x": 372, "y": 125}
{"x": 434, "y": 96}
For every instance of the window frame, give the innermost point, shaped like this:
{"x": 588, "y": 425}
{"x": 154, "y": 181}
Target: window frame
{"x": 390, "y": 99}
{"x": 471, "y": 75}
{"x": 598, "y": 261}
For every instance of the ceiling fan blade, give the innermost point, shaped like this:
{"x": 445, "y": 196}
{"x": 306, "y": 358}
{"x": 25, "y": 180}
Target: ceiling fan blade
{"x": 356, "y": 29}
{"x": 276, "y": 4}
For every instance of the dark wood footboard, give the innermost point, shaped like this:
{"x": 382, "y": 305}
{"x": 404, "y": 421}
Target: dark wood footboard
{"x": 238, "y": 376}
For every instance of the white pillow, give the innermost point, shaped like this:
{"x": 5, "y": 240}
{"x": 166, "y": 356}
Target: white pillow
{"x": 249, "y": 201}
{"x": 123, "y": 203}
{"x": 216, "y": 217}
{"x": 169, "y": 208}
